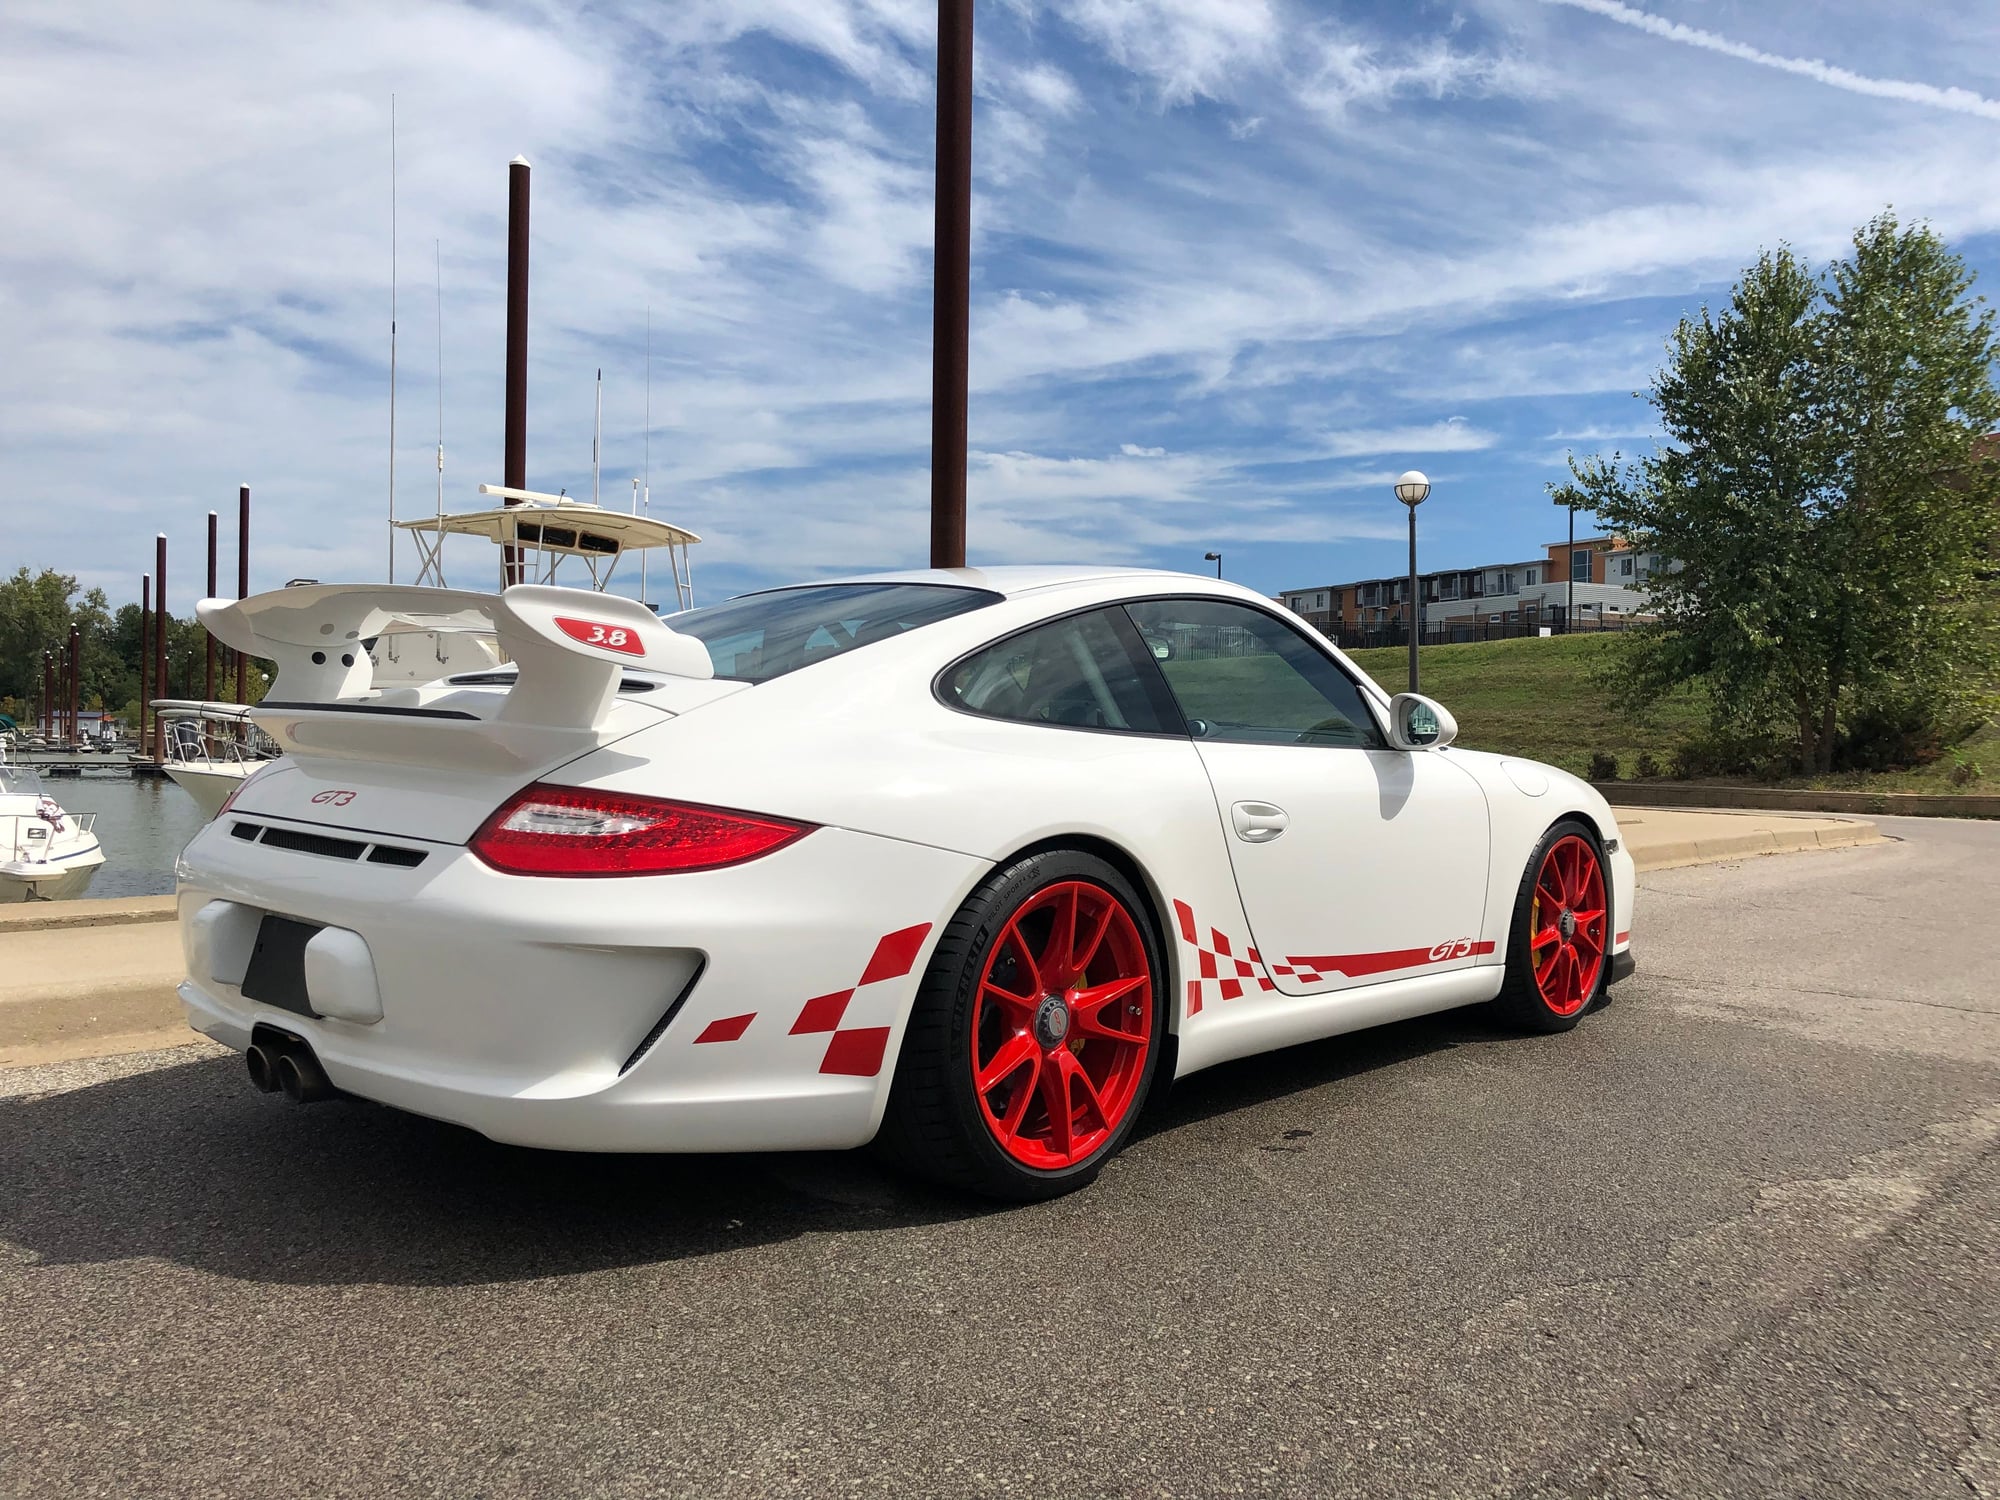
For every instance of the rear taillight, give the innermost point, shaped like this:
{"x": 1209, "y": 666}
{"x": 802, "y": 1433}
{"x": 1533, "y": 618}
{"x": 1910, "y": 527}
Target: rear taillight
{"x": 569, "y": 830}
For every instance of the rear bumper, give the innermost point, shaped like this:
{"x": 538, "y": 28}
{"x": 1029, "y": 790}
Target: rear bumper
{"x": 654, "y": 1013}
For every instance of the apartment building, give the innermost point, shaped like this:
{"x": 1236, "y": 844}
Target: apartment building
{"x": 1608, "y": 578}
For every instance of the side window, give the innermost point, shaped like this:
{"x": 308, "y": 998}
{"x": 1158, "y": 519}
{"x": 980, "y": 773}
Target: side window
{"x": 1078, "y": 673}
{"x": 1238, "y": 674}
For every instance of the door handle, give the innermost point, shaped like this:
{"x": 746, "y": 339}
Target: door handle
{"x": 1257, "y": 822}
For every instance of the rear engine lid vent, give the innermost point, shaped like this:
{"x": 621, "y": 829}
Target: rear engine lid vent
{"x": 326, "y": 845}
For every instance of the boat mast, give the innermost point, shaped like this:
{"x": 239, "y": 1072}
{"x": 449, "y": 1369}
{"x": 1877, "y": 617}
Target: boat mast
{"x": 392, "y": 338}
{"x": 648, "y": 470}
{"x": 437, "y": 270}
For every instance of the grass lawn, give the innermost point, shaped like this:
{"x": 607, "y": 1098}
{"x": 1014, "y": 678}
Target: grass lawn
{"x": 1536, "y": 697}
{"x": 1539, "y": 698}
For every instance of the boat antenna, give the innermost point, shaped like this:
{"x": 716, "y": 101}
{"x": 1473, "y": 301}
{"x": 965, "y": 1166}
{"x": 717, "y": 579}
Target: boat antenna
{"x": 597, "y": 438}
{"x": 437, "y": 270}
{"x": 648, "y": 470}
{"x": 392, "y": 338}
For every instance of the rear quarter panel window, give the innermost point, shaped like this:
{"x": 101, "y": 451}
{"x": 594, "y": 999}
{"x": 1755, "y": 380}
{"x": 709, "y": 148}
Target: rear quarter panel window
{"x": 1080, "y": 672}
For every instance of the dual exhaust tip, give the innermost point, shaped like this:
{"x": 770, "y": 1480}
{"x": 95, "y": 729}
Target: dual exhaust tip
{"x": 281, "y": 1064}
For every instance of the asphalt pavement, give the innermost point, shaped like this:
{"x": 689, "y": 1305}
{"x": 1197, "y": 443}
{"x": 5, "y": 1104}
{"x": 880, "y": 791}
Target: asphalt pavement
{"x": 1735, "y": 1235}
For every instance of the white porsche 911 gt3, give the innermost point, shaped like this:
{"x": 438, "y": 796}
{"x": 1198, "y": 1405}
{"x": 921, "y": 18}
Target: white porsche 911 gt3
{"x": 969, "y": 860}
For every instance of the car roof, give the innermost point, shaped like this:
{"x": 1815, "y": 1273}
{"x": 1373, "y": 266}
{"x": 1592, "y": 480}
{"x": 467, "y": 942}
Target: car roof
{"x": 1015, "y": 579}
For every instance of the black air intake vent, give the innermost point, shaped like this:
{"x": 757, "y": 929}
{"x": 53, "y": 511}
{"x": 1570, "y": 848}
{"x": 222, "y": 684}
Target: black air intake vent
{"x": 327, "y": 846}
{"x": 313, "y": 843}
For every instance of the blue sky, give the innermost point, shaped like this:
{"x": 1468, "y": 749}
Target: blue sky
{"x": 1236, "y": 262}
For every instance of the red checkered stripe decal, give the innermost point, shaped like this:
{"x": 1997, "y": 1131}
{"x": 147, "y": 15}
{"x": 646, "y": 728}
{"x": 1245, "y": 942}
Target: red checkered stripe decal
{"x": 1210, "y": 960}
{"x": 1312, "y": 969}
{"x": 854, "y": 1050}
{"x": 1224, "y": 976}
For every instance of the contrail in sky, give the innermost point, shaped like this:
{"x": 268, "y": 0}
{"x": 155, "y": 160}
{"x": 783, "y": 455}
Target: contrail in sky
{"x": 1963, "y": 101}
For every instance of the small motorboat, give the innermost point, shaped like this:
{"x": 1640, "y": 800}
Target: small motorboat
{"x": 46, "y": 851}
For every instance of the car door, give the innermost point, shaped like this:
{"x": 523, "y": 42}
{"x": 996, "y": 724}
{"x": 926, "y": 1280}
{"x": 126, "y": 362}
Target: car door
{"x": 1356, "y": 863}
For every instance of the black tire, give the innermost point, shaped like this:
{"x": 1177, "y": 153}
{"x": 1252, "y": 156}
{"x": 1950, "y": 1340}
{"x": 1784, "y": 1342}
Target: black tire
{"x": 934, "y": 1126}
{"x": 1521, "y": 1003}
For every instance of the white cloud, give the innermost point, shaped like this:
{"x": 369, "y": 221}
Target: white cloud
{"x": 1963, "y": 101}
{"x": 1351, "y": 72}
{"x": 1220, "y": 303}
{"x": 1608, "y": 433}
{"x": 1049, "y": 88}
{"x": 1453, "y": 436}
{"x": 1189, "y": 49}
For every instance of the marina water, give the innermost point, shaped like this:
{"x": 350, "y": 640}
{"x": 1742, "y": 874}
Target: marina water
{"x": 142, "y": 822}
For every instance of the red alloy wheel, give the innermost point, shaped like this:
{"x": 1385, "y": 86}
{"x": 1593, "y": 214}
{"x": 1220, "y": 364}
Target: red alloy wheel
{"x": 1568, "y": 922}
{"x": 1063, "y": 1020}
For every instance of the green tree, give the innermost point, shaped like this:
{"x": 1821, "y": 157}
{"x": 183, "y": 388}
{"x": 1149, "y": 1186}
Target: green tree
{"x": 36, "y": 613}
{"x": 1816, "y": 502}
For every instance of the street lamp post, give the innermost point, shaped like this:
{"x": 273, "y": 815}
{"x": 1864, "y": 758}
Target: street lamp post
{"x": 1412, "y": 488}
{"x": 1216, "y": 558}
{"x": 1569, "y": 565}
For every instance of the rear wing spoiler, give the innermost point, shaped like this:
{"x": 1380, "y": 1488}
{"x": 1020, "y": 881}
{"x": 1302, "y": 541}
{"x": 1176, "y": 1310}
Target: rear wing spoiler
{"x": 570, "y": 644}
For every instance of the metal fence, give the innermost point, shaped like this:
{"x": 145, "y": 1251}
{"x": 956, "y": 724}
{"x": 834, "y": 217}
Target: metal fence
{"x": 1462, "y": 632}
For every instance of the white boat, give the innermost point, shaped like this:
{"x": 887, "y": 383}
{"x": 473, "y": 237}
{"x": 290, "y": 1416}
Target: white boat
{"x": 46, "y": 851}
{"x": 211, "y": 747}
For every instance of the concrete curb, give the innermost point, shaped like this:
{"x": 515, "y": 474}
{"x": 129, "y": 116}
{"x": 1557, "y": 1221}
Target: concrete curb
{"x": 49, "y": 916}
{"x": 1695, "y": 794}
{"x": 1747, "y": 843}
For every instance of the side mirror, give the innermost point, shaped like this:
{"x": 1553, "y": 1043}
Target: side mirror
{"x": 1162, "y": 649}
{"x": 1418, "y": 723}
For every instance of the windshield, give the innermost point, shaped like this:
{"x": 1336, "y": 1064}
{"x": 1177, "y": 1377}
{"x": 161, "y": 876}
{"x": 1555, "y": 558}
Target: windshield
{"x": 762, "y": 636}
{"x": 19, "y": 780}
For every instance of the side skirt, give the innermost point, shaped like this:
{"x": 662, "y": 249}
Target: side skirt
{"x": 1220, "y": 1035}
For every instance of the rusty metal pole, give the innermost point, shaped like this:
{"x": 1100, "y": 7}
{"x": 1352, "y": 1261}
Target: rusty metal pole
{"x": 160, "y": 618}
{"x": 208, "y": 672}
{"x": 242, "y": 580}
{"x": 514, "y": 466}
{"x": 145, "y": 655}
{"x": 951, "y": 291}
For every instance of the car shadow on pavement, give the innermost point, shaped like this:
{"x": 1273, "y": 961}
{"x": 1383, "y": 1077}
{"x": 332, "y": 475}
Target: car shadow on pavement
{"x": 1243, "y": 1086}
{"x": 188, "y": 1164}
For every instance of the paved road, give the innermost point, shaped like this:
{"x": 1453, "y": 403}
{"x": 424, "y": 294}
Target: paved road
{"x": 1734, "y": 1236}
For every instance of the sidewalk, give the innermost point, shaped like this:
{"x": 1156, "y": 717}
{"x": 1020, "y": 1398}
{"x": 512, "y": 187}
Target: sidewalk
{"x": 94, "y": 978}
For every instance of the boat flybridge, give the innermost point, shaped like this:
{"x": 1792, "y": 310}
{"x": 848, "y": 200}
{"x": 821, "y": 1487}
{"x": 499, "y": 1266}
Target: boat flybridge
{"x": 541, "y": 531}
{"x": 46, "y": 852}
{"x": 425, "y": 635}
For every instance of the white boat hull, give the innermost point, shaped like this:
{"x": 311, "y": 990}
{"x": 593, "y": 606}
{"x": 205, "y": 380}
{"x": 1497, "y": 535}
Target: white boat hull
{"x": 210, "y": 782}
{"x": 55, "y": 879}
